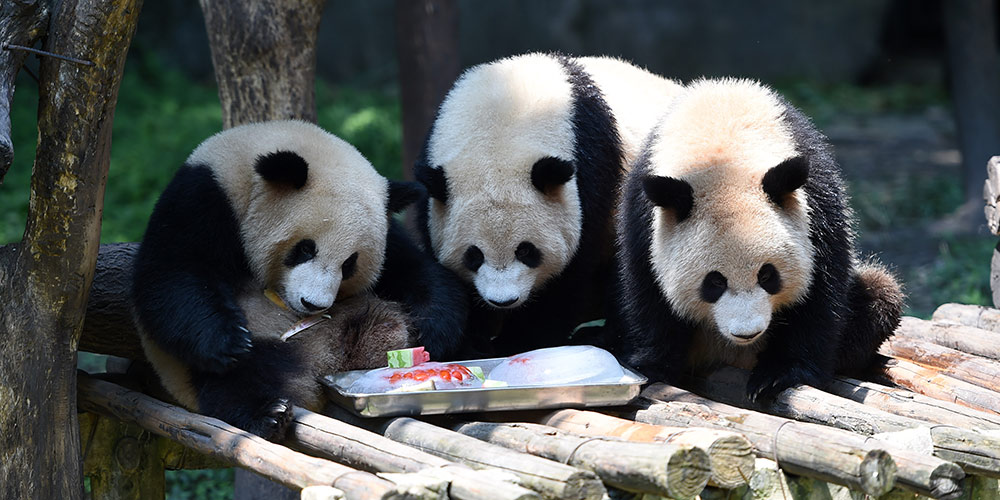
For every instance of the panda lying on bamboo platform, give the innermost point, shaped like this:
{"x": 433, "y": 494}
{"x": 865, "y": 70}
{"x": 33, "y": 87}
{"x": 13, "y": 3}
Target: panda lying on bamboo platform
{"x": 737, "y": 247}
{"x": 287, "y": 207}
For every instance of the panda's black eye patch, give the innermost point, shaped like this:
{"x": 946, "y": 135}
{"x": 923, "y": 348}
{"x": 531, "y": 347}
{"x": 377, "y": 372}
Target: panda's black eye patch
{"x": 473, "y": 258}
{"x": 349, "y": 267}
{"x": 302, "y": 252}
{"x": 769, "y": 279}
{"x": 713, "y": 286}
{"x": 528, "y": 254}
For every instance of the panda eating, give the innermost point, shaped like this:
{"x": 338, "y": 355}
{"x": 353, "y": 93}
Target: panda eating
{"x": 523, "y": 165}
{"x": 736, "y": 247}
{"x": 286, "y": 207}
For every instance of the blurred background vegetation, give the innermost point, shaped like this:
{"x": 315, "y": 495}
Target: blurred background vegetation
{"x": 873, "y": 75}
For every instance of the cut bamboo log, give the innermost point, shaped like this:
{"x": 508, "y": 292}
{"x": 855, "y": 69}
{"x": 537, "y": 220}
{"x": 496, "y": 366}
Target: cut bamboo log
{"x": 963, "y": 338}
{"x": 730, "y": 454}
{"x": 355, "y": 447}
{"x": 551, "y": 479}
{"x": 674, "y": 471}
{"x": 810, "y": 450}
{"x": 954, "y": 363}
{"x": 933, "y": 383}
{"x": 986, "y": 318}
{"x": 230, "y": 444}
{"x": 910, "y": 404}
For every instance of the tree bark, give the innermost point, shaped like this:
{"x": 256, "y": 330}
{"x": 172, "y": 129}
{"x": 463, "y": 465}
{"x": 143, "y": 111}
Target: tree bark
{"x": 264, "y": 54}
{"x": 21, "y": 23}
{"x": 427, "y": 52}
{"x": 47, "y": 276}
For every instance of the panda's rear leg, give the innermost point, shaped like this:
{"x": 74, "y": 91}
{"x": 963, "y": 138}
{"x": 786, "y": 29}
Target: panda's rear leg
{"x": 876, "y": 305}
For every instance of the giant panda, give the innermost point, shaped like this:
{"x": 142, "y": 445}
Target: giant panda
{"x": 736, "y": 247}
{"x": 286, "y": 207}
{"x": 522, "y": 165}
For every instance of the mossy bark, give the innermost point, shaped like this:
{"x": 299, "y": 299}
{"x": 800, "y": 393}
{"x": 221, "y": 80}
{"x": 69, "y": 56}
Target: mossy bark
{"x": 46, "y": 276}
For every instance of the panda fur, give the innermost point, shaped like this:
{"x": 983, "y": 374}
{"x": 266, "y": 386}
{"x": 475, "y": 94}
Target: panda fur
{"x": 736, "y": 247}
{"x": 523, "y": 165}
{"x": 288, "y": 207}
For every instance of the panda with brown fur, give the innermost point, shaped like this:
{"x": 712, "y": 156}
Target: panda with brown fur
{"x": 288, "y": 207}
{"x": 736, "y": 247}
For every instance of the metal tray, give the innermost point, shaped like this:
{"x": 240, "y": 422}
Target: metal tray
{"x": 481, "y": 399}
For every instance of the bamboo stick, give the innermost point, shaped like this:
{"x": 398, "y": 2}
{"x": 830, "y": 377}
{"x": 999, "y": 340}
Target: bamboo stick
{"x": 355, "y": 447}
{"x": 232, "y": 445}
{"x": 661, "y": 469}
{"x": 910, "y": 404}
{"x": 730, "y": 454}
{"x": 810, "y": 450}
{"x": 954, "y": 363}
{"x": 963, "y": 338}
{"x": 933, "y": 383}
{"x": 986, "y": 318}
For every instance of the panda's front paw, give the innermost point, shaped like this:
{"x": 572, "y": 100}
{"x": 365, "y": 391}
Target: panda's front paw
{"x": 768, "y": 380}
{"x": 273, "y": 420}
{"x": 222, "y": 355}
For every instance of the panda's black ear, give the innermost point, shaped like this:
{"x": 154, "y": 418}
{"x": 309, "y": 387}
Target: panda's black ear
{"x": 404, "y": 194}
{"x": 669, "y": 193}
{"x": 433, "y": 179}
{"x": 549, "y": 173}
{"x": 782, "y": 180}
{"x": 283, "y": 168}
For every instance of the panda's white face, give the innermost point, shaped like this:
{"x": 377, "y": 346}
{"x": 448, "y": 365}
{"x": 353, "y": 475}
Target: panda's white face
{"x": 312, "y": 210}
{"x": 502, "y": 147}
{"x": 737, "y": 249}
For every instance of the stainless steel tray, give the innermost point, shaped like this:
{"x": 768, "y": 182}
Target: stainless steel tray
{"x": 481, "y": 399}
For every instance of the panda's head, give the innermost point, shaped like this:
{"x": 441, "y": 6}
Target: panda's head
{"x": 312, "y": 211}
{"x": 504, "y": 210}
{"x": 730, "y": 226}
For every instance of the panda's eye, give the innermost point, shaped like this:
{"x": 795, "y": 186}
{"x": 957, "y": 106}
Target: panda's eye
{"x": 473, "y": 258}
{"x": 348, "y": 268}
{"x": 528, "y": 254}
{"x": 769, "y": 279}
{"x": 713, "y": 286}
{"x": 302, "y": 252}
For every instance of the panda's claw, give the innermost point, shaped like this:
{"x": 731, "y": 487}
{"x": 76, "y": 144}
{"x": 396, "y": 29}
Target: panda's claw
{"x": 272, "y": 424}
{"x": 765, "y": 384}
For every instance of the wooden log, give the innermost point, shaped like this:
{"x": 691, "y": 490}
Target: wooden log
{"x": 963, "y": 338}
{"x": 933, "y": 383}
{"x": 910, "y": 404}
{"x": 730, "y": 454}
{"x": 356, "y": 447}
{"x": 985, "y": 318}
{"x": 954, "y": 363}
{"x": 230, "y": 444}
{"x": 811, "y": 450}
{"x": 674, "y": 471}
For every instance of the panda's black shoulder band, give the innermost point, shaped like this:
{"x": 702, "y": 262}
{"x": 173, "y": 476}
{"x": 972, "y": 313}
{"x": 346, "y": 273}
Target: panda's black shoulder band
{"x": 403, "y": 194}
{"x": 781, "y": 180}
{"x": 285, "y": 168}
{"x": 667, "y": 192}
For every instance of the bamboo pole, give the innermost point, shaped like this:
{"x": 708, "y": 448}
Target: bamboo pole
{"x": 933, "y": 383}
{"x": 730, "y": 454}
{"x": 973, "y": 369}
{"x": 963, "y": 338}
{"x": 910, "y": 404}
{"x": 323, "y": 436}
{"x": 810, "y": 450}
{"x": 986, "y": 318}
{"x": 667, "y": 470}
{"x": 232, "y": 445}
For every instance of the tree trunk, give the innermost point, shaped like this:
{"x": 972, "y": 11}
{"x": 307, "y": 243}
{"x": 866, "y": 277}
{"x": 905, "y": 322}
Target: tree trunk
{"x": 264, "y": 54}
{"x": 427, "y": 53}
{"x": 21, "y": 23}
{"x": 47, "y": 276}
{"x": 974, "y": 66}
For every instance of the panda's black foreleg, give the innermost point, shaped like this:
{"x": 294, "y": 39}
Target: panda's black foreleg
{"x": 434, "y": 297}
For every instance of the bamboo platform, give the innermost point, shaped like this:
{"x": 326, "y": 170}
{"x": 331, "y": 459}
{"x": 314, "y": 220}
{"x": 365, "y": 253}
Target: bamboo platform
{"x": 925, "y": 424}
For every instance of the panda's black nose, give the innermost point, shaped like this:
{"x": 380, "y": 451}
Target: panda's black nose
{"x": 310, "y": 306}
{"x": 503, "y": 303}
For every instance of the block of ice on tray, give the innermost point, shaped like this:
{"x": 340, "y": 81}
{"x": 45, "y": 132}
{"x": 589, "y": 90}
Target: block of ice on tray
{"x": 423, "y": 377}
{"x": 576, "y": 364}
